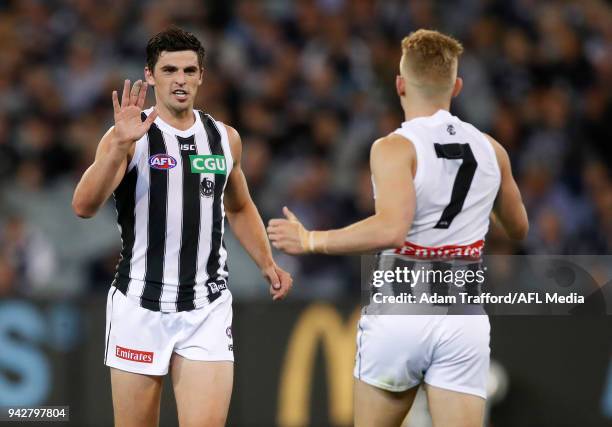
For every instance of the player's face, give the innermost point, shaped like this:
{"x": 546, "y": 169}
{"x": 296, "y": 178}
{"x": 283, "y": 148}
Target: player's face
{"x": 176, "y": 78}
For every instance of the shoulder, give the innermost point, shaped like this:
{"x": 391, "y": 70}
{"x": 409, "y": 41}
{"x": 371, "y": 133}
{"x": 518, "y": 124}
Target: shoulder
{"x": 393, "y": 151}
{"x": 500, "y": 151}
{"x": 232, "y": 134}
{"x": 234, "y": 140}
{"x": 233, "y": 137}
{"x": 393, "y": 145}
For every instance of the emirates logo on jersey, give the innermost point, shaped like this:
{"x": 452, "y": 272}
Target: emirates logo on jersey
{"x": 134, "y": 355}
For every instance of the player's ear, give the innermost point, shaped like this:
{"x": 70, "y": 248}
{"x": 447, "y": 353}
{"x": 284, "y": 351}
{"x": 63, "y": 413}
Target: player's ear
{"x": 458, "y": 86}
{"x": 149, "y": 76}
{"x": 201, "y": 76}
{"x": 400, "y": 85}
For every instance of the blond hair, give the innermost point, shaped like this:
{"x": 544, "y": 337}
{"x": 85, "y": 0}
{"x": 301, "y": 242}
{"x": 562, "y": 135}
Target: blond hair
{"x": 429, "y": 59}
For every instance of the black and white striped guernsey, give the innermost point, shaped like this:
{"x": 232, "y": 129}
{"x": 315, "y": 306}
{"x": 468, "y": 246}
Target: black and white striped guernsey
{"x": 171, "y": 217}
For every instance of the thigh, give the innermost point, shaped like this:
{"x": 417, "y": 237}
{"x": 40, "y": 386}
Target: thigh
{"x": 135, "y": 398}
{"x": 375, "y": 407}
{"x": 451, "y": 408}
{"x": 203, "y": 390}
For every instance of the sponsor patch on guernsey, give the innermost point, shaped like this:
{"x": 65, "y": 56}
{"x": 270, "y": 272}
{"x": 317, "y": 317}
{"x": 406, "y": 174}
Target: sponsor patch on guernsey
{"x": 134, "y": 355}
{"x": 203, "y": 163}
{"x": 162, "y": 161}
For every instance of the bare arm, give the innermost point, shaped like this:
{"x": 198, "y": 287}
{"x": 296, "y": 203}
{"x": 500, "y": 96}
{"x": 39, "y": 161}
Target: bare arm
{"x": 113, "y": 152}
{"x": 247, "y": 225}
{"x": 392, "y": 161}
{"x": 101, "y": 178}
{"x": 509, "y": 207}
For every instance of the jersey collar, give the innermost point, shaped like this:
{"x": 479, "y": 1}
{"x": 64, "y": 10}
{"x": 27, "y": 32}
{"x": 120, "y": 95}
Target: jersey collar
{"x": 197, "y": 125}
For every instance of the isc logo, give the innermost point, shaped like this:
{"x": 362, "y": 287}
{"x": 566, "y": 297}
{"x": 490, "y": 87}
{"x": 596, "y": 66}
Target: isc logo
{"x": 208, "y": 164}
{"x": 187, "y": 147}
{"x": 162, "y": 161}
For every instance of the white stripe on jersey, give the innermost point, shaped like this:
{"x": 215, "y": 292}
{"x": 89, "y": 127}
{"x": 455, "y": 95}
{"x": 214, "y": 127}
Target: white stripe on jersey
{"x": 174, "y": 224}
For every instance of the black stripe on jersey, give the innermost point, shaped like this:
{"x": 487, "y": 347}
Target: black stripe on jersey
{"x": 216, "y": 238}
{"x": 125, "y": 201}
{"x": 158, "y": 206}
{"x": 190, "y": 233}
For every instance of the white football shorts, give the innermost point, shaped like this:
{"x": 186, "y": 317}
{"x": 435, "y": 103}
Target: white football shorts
{"x": 398, "y": 352}
{"x": 142, "y": 341}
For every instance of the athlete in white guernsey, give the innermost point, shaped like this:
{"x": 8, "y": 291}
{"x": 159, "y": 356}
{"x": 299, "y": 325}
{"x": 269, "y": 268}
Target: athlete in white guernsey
{"x": 175, "y": 174}
{"x": 437, "y": 180}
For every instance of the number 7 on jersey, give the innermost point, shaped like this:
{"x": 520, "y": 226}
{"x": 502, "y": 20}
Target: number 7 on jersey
{"x": 463, "y": 180}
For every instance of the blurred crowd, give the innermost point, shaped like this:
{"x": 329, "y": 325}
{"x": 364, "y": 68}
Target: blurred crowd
{"x": 309, "y": 84}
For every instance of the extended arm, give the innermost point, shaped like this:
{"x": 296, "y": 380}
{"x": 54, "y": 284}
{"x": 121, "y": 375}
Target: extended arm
{"x": 247, "y": 225}
{"x": 392, "y": 161}
{"x": 509, "y": 207}
{"x": 113, "y": 152}
{"x": 101, "y": 178}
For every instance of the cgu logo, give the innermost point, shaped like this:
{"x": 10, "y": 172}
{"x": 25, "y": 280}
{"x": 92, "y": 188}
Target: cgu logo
{"x": 208, "y": 164}
{"x": 162, "y": 161}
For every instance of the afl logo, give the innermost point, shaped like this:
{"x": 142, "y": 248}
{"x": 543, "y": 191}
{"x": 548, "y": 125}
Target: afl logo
{"x": 162, "y": 161}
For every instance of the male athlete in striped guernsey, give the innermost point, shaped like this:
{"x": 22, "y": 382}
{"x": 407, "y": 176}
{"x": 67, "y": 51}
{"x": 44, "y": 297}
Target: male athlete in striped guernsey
{"x": 175, "y": 174}
{"x": 436, "y": 181}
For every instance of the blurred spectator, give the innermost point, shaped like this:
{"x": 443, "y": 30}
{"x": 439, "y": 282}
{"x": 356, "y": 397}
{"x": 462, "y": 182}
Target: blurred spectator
{"x": 29, "y": 255}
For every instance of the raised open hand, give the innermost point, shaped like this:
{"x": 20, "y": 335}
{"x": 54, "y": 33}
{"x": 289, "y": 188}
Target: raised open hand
{"x": 128, "y": 125}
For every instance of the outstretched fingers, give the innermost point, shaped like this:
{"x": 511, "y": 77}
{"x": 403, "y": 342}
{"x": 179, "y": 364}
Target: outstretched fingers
{"x": 125, "y": 97}
{"x": 116, "y": 106}
{"x": 135, "y": 92}
{"x": 150, "y": 118}
{"x": 142, "y": 95}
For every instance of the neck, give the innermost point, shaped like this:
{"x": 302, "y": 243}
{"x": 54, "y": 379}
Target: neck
{"x": 181, "y": 120}
{"x": 412, "y": 110}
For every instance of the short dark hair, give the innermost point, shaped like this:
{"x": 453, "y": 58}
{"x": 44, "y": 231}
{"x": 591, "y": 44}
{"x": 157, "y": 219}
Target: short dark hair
{"x": 173, "y": 39}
